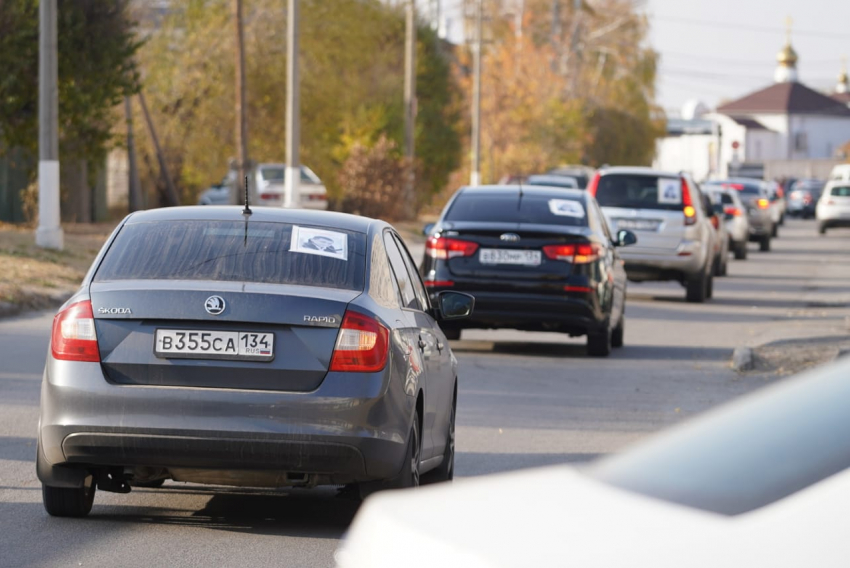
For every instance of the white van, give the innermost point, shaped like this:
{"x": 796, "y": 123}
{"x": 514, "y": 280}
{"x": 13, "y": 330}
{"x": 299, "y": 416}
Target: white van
{"x": 840, "y": 172}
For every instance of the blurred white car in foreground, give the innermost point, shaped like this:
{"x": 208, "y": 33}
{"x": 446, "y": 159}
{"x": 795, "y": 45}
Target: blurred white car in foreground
{"x": 760, "y": 482}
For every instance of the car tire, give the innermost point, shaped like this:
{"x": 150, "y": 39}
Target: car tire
{"x": 774, "y": 231}
{"x": 822, "y": 228}
{"x": 696, "y": 290}
{"x": 764, "y": 243}
{"x": 619, "y": 333}
{"x": 452, "y": 334}
{"x": 446, "y": 470}
{"x": 68, "y": 501}
{"x": 740, "y": 250}
{"x": 709, "y": 287}
{"x": 782, "y": 219}
{"x": 408, "y": 477}
{"x": 599, "y": 343}
{"x": 724, "y": 266}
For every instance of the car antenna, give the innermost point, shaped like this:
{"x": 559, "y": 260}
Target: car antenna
{"x": 247, "y": 210}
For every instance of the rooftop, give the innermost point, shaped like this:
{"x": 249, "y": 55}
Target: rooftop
{"x": 785, "y": 98}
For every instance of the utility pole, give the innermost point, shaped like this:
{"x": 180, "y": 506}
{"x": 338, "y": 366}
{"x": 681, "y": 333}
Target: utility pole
{"x": 475, "y": 177}
{"x": 171, "y": 196}
{"x": 410, "y": 109}
{"x": 292, "y": 181}
{"x": 49, "y": 232}
{"x": 134, "y": 192}
{"x": 241, "y": 106}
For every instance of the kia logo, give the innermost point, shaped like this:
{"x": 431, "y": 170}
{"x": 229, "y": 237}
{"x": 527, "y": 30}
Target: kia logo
{"x": 214, "y": 305}
{"x": 509, "y": 237}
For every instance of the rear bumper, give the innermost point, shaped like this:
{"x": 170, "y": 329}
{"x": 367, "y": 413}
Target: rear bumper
{"x": 352, "y": 428}
{"x": 646, "y": 267}
{"x": 574, "y": 313}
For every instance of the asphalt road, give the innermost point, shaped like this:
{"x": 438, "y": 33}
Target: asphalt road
{"x": 526, "y": 399}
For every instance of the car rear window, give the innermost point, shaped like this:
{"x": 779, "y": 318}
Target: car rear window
{"x": 841, "y": 191}
{"x": 510, "y": 208}
{"x": 638, "y": 191}
{"x": 554, "y": 181}
{"x": 234, "y": 251}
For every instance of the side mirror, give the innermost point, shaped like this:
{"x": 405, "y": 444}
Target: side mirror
{"x": 455, "y": 305}
{"x": 625, "y": 238}
{"x": 426, "y": 230}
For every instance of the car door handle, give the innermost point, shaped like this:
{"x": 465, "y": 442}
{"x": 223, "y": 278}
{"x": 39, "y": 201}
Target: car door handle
{"x": 440, "y": 346}
{"x": 422, "y": 344}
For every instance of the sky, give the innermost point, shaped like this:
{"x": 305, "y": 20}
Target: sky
{"x": 716, "y": 50}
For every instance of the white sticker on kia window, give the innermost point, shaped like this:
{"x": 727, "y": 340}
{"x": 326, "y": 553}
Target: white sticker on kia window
{"x": 320, "y": 242}
{"x": 669, "y": 191}
{"x": 566, "y": 208}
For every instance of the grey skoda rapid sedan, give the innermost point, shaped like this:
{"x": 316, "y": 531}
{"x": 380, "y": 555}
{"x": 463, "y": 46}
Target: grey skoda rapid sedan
{"x": 267, "y": 349}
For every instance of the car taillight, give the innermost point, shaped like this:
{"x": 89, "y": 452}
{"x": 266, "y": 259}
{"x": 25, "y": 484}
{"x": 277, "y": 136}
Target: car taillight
{"x": 593, "y": 185}
{"x": 688, "y": 204}
{"x": 267, "y": 196}
{"x": 439, "y": 283}
{"x": 361, "y": 346}
{"x": 577, "y": 254}
{"x": 317, "y": 197}
{"x": 445, "y": 248}
{"x": 74, "y": 337}
{"x": 735, "y": 186}
{"x": 763, "y": 203}
{"x": 733, "y": 211}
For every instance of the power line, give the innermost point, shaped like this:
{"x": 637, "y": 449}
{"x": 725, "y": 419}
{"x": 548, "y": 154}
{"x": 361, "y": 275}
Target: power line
{"x": 752, "y": 28}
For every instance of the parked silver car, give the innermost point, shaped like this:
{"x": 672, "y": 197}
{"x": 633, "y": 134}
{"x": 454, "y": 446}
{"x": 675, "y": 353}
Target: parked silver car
{"x": 735, "y": 218}
{"x": 754, "y": 195}
{"x": 267, "y": 185}
{"x": 667, "y": 213}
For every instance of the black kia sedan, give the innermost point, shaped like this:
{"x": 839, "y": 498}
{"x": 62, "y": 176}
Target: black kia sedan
{"x": 535, "y": 258}
{"x": 265, "y": 349}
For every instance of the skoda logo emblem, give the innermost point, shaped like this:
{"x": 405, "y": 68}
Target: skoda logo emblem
{"x": 214, "y": 305}
{"x": 509, "y": 237}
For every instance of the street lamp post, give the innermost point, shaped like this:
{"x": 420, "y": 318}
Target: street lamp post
{"x": 49, "y": 232}
{"x": 475, "y": 177}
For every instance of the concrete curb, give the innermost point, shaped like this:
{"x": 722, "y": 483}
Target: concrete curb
{"x": 742, "y": 359}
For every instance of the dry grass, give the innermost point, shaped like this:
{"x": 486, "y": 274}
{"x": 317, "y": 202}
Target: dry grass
{"x": 32, "y": 277}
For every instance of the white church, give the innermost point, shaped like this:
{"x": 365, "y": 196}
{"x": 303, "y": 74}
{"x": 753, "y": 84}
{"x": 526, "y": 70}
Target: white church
{"x": 785, "y": 129}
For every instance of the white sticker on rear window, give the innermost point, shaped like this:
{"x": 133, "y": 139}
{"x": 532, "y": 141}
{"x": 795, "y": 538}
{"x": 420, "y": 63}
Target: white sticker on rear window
{"x": 669, "y": 191}
{"x": 566, "y": 208}
{"x": 318, "y": 241}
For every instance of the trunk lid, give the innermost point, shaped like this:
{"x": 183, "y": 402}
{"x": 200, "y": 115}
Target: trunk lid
{"x": 304, "y": 327}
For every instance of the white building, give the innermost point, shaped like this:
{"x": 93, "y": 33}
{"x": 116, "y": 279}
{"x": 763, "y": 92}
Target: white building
{"x": 786, "y": 121}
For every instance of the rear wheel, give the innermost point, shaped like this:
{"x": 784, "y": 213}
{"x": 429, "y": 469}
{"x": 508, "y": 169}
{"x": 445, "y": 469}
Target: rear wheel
{"x": 409, "y": 475}
{"x": 774, "y": 232}
{"x": 740, "y": 250}
{"x": 599, "y": 343}
{"x": 619, "y": 332}
{"x": 697, "y": 289}
{"x": 709, "y": 291}
{"x": 822, "y": 228}
{"x": 446, "y": 470}
{"x": 68, "y": 501}
{"x": 764, "y": 243}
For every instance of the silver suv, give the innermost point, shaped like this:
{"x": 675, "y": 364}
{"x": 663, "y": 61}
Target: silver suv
{"x": 666, "y": 212}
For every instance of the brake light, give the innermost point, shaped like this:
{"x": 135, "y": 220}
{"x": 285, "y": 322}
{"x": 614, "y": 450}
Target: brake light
{"x": 735, "y": 186}
{"x": 361, "y": 346}
{"x": 73, "y": 337}
{"x": 733, "y": 211}
{"x": 444, "y": 248}
{"x": 593, "y": 185}
{"x": 267, "y": 196}
{"x": 715, "y": 222}
{"x": 439, "y": 283}
{"x": 577, "y": 254}
{"x": 578, "y": 289}
{"x": 763, "y": 203}
{"x": 688, "y": 205}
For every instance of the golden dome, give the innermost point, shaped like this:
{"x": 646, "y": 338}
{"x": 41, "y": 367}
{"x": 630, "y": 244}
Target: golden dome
{"x": 787, "y": 56}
